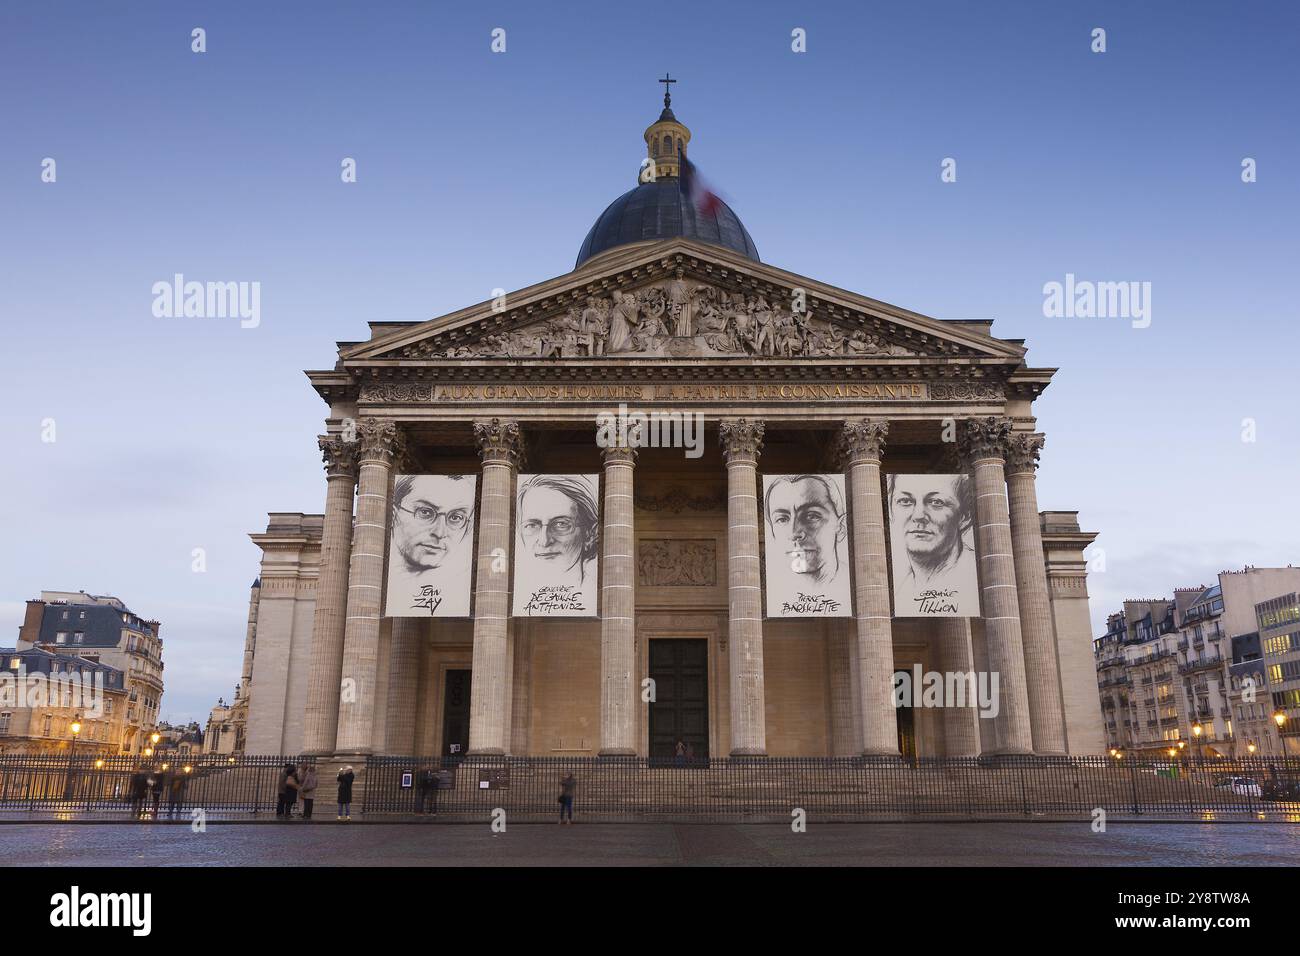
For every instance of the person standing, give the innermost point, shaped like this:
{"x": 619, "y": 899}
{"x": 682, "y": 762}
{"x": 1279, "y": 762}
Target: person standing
{"x": 568, "y": 785}
{"x": 309, "y": 782}
{"x": 426, "y": 791}
{"x": 345, "y": 778}
{"x": 157, "y": 782}
{"x": 286, "y": 793}
{"x": 139, "y": 788}
{"x": 176, "y": 793}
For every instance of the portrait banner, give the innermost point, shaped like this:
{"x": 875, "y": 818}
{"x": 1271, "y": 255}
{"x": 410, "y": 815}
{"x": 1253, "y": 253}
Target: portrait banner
{"x": 431, "y": 546}
{"x": 932, "y": 545}
{"x": 557, "y": 542}
{"x": 806, "y": 538}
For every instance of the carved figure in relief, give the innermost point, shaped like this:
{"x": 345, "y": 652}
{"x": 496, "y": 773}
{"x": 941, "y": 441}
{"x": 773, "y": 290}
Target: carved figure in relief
{"x": 679, "y": 305}
{"x": 622, "y": 321}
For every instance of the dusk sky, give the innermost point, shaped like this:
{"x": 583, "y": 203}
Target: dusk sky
{"x": 479, "y": 170}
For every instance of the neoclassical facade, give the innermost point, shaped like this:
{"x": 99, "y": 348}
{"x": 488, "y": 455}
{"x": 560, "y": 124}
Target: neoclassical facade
{"x": 670, "y": 310}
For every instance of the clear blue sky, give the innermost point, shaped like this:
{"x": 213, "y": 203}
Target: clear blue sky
{"x": 479, "y": 171}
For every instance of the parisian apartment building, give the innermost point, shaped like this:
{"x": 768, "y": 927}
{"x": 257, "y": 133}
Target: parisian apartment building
{"x": 83, "y": 628}
{"x": 55, "y": 719}
{"x": 1212, "y": 672}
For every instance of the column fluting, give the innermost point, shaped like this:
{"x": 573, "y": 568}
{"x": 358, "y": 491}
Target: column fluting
{"x": 381, "y": 443}
{"x": 741, "y": 442}
{"x": 1046, "y": 708}
{"x": 862, "y": 444}
{"x": 985, "y": 443}
{"x": 500, "y": 447}
{"x": 321, "y": 720}
{"x": 618, "y": 685}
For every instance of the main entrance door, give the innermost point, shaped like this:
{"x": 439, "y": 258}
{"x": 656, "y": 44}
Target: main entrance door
{"x": 680, "y": 671}
{"x": 455, "y": 715}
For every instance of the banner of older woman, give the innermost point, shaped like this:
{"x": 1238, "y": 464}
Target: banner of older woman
{"x": 557, "y": 540}
{"x": 932, "y": 545}
{"x": 806, "y": 538}
{"x": 431, "y": 546}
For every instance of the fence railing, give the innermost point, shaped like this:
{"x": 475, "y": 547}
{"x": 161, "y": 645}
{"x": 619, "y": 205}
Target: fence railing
{"x": 668, "y": 789}
{"x": 848, "y": 788}
{"x": 154, "y": 787}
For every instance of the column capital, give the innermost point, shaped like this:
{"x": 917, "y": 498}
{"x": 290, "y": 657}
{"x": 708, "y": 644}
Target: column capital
{"x": 862, "y": 438}
{"x": 380, "y": 440}
{"x": 499, "y": 440}
{"x": 1023, "y": 452}
{"x": 985, "y": 438}
{"x": 340, "y": 457}
{"x": 742, "y": 439}
{"x": 618, "y": 455}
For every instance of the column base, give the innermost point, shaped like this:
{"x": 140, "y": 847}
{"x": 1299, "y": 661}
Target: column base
{"x": 881, "y": 756}
{"x": 487, "y": 752}
{"x": 749, "y": 752}
{"x": 620, "y": 752}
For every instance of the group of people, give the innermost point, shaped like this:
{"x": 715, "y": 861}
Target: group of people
{"x": 301, "y": 782}
{"x": 146, "y": 788}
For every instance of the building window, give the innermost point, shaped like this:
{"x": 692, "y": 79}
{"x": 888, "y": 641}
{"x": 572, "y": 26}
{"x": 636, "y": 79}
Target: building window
{"x": 4, "y": 723}
{"x": 61, "y": 637}
{"x": 79, "y": 637}
{"x": 47, "y": 725}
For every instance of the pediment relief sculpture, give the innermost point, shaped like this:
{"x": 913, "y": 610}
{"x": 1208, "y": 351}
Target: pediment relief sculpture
{"x": 673, "y": 318}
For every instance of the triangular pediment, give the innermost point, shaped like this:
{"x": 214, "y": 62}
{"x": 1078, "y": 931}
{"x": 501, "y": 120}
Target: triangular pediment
{"x": 681, "y": 299}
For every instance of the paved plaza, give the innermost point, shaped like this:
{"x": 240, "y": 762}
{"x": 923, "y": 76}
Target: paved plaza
{"x": 925, "y": 844}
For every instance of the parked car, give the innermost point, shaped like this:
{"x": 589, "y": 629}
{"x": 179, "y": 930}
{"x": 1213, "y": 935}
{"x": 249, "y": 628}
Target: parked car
{"x": 1241, "y": 786}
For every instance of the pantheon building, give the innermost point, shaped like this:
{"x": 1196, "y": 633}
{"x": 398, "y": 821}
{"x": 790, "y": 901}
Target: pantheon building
{"x": 803, "y": 492}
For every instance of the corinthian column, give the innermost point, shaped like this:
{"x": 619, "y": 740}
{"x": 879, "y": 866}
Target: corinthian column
{"x": 985, "y": 443}
{"x": 322, "y": 717}
{"x": 381, "y": 444}
{"x": 741, "y": 441}
{"x": 862, "y": 442}
{"x": 1046, "y": 709}
{"x": 500, "y": 447}
{"x": 618, "y": 698}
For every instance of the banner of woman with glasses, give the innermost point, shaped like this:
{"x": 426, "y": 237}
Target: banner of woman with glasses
{"x": 431, "y": 546}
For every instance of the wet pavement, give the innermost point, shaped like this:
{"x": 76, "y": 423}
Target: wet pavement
{"x": 663, "y": 844}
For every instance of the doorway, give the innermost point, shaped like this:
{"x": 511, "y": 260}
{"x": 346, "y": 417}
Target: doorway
{"x": 680, "y": 671}
{"x": 455, "y": 715}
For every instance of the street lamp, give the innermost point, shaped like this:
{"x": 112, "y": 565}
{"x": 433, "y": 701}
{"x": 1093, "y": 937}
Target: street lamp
{"x": 75, "y": 728}
{"x": 1279, "y": 718}
{"x": 1251, "y": 747}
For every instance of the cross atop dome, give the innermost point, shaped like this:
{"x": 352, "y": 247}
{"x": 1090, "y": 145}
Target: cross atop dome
{"x": 666, "y": 138}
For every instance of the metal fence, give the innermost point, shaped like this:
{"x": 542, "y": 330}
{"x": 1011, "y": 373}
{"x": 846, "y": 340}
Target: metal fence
{"x": 665, "y": 789}
{"x": 155, "y": 788}
{"x": 848, "y": 789}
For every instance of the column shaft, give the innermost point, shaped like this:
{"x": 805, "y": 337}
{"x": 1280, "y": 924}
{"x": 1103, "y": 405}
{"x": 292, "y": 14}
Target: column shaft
{"x": 403, "y": 685}
{"x": 862, "y": 444}
{"x": 741, "y": 441}
{"x": 618, "y": 685}
{"x": 986, "y": 446}
{"x": 322, "y": 715}
{"x": 381, "y": 443}
{"x": 490, "y": 682}
{"x": 1046, "y": 708}
{"x": 952, "y": 644}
